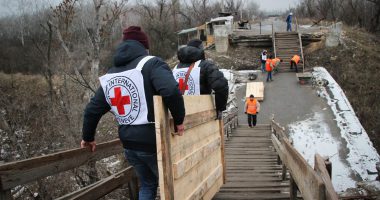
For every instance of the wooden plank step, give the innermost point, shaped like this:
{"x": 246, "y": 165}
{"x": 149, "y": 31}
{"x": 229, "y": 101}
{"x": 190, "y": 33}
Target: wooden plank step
{"x": 235, "y": 190}
{"x": 248, "y": 156}
{"x": 264, "y": 171}
{"x": 254, "y": 184}
{"x": 251, "y": 196}
{"x": 256, "y": 179}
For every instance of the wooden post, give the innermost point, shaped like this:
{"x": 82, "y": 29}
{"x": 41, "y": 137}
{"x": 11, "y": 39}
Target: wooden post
{"x": 163, "y": 149}
{"x": 293, "y": 188}
{"x": 260, "y": 28}
{"x": 221, "y": 131}
{"x": 278, "y": 160}
{"x": 133, "y": 187}
{"x": 5, "y": 195}
{"x": 329, "y": 167}
{"x": 283, "y": 172}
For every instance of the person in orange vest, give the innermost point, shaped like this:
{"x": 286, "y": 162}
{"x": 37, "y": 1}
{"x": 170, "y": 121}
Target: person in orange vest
{"x": 269, "y": 68}
{"x": 275, "y": 63}
{"x": 294, "y": 61}
{"x": 252, "y": 108}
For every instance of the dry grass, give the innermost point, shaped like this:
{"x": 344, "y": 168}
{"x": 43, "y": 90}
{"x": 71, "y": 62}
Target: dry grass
{"x": 357, "y": 70}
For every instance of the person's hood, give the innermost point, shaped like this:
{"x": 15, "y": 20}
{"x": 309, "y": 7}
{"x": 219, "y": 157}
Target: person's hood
{"x": 190, "y": 54}
{"x": 127, "y": 51}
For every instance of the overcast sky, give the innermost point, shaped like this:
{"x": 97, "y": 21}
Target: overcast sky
{"x": 276, "y": 5}
{"x": 8, "y": 7}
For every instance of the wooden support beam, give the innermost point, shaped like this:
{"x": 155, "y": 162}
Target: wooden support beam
{"x": 293, "y": 189}
{"x": 21, "y": 172}
{"x": 283, "y": 173}
{"x": 320, "y": 168}
{"x": 222, "y": 149}
{"x": 163, "y": 149}
{"x": 5, "y": 195}
{"x": 102, "y": 187}
{"x": 133, "y": 188}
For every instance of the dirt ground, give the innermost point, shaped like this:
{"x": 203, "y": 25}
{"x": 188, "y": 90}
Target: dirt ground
{"x": 238, "y": 58}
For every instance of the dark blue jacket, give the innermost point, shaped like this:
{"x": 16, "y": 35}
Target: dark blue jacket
{"x": 289, "y": 19}
{"x": 210, "y": 76}
{"x": 158, "y": 80}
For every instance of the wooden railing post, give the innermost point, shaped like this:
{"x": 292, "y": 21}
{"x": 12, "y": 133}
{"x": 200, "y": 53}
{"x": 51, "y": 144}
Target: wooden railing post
{"x": 5, "y": 195}
{"x": 328, "y": 167}
{"x": 293, "y": 188}
{"x": 283, "y": 172}
{"x": 133, "y": 187}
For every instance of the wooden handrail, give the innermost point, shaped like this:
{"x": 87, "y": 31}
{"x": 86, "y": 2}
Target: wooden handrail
{"x": 25, "y": 171}
{"x": 274, "y": 44}
{"x": 102, "y": 187}
{"x": 314, "y": 184}
{"x": 300, "y": 39}
{"x": 302, "y": 56}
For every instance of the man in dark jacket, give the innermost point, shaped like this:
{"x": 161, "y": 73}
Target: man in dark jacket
{"x": 127, "y": 91}
{"x": 208, "y": 78}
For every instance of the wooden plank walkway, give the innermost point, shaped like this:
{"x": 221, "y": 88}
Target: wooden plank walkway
{"x": 252, "y": 169}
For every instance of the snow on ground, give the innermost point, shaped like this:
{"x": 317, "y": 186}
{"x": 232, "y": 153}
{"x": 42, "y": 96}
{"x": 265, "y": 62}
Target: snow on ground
{"x": 313, "y": 136}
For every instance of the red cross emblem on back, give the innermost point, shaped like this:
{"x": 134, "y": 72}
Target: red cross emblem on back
{"x": 182, "y": 84}
{"x": 119, "y": 101}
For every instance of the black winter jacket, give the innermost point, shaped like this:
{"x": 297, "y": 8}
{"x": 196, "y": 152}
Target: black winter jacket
{"x": 158, "y": 80}
{"x": 210, "y": 76}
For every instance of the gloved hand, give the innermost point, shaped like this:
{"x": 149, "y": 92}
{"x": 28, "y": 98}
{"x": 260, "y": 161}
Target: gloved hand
{"x": 219, "y": 115}
{"x": 245, "y": 112}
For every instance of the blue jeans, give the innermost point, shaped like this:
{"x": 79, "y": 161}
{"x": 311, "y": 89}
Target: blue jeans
{"x": 145, "y": 164}
{"x": 262, "y": 67}
{"x": 289, "y": 27}
{"x": 269, "y": 76}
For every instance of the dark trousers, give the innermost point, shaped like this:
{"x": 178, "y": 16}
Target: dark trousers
{"x": 292, "y": 63}
{"x": 269, "y": 76}
{"x": 252, "y": 120}
{"x": 289, "y": 27}
{"x": 145, "y": 164}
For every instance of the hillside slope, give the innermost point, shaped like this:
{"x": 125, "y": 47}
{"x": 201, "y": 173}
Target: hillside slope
{"x": 355, "y": 66}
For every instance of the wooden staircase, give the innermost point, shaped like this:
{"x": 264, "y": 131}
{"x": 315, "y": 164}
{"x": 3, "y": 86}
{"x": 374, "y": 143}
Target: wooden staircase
{"x": 286, "y": 45}
{"x": 252, "y": 169}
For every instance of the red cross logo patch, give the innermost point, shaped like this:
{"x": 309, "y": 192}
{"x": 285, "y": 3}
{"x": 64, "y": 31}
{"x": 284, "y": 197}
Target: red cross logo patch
{"x": 189, "y": 87}
{"x": 124, "y": 99}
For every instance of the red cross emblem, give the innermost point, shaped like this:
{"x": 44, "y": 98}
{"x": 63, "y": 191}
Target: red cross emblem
{"x": 119, "y": 101}
{"x": 182, "y": 84}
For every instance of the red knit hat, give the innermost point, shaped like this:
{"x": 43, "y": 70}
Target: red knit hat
{"x": 135, "y": 33}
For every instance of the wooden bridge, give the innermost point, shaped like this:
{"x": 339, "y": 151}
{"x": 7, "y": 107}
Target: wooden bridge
{"x": 215, "y": 159}
{"x": 260, "y": 163}
{"x": 252, "y": 168}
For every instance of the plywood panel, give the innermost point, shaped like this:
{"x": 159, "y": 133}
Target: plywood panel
{"x": 255, "y": 88}
{"x": 188, "y": 184}
{"x": 190, "y": 166}
{"x": 192, "y": 139}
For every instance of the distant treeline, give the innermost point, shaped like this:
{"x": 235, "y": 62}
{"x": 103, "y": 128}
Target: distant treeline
{"x": 361, "y": 13}
{"x": 76, "y": 33}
